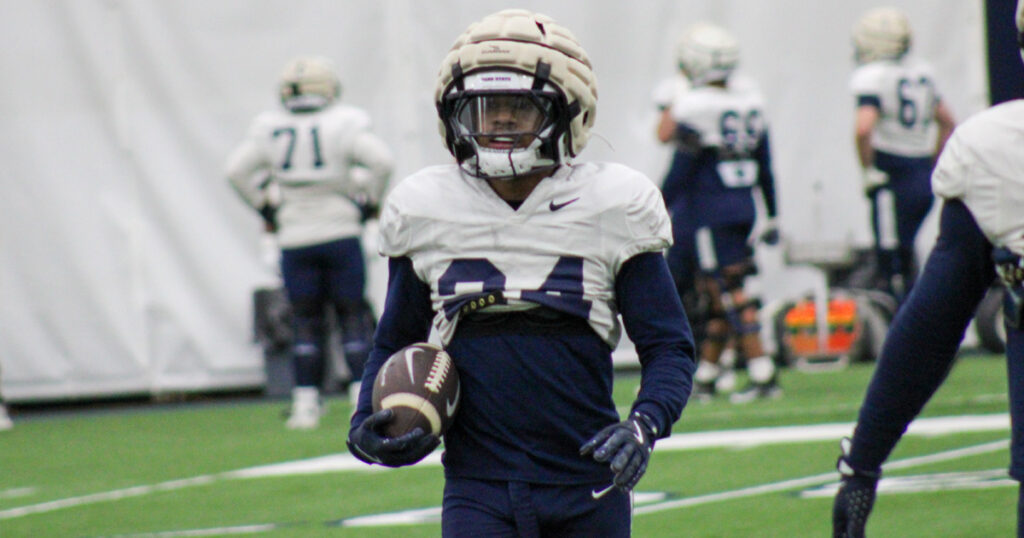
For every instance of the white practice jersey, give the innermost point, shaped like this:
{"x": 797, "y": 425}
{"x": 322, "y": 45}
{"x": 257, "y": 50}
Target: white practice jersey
{"x": 983, "y": 165}
{"x": 668, "y": 90}
{"x": 732, "y": 117}
{"x": 906, "y": 94}
{"x": 320, "y": 161}
{"x": 562, "y": 248}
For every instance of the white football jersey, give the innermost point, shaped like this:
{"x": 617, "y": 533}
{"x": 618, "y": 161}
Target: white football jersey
{"x": 315, "y": 159}
{"x": 561, "y": 248}
{"x": 730, "y": 117}
{"x": 907, "y": 96}
{"x": 983, "y": 165}
{"x": 668, "y": 90}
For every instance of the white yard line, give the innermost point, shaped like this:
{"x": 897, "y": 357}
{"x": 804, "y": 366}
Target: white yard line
{"x": 105, "y": 496}
{"x": 16, "y": 492}
{"x": 818, "y": 479}
{"x": 681, "y": 441}
{"x": 344, "y": 462}
{"x": 961, "y": 480}
{"x": 825, "y": 432}
{"x": 212, "y": 531}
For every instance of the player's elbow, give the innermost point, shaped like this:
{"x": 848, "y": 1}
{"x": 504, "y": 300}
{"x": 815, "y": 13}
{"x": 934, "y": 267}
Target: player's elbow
{"x": 664, "y": 135}
{"x": 944, "y": 116}
{"x": 864, "y": 124}
{"x": 666, "y": 128}
{"x": 862, "y": 133}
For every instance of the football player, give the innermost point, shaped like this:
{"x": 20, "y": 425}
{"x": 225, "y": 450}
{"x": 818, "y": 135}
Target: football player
{"x": 980, "y": 179}
{"x": 521, "y": 261}
{"x": 329, "y": 171}
{"x": 722, "y": 154}
{"x": 899, "y": 110}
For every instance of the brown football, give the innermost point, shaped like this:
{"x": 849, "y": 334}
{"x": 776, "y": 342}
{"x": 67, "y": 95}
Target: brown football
{"x": 420, "y": 383}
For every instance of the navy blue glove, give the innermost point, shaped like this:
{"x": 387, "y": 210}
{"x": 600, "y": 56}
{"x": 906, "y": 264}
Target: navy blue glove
{"x": 627, "y": 445}
{"x": 855, "y": 498}
{"x": 368, "y": 443}
{"x": 269, "y": 214}
{"x": 368, "y": 211}
{"x": 770, "y": 234}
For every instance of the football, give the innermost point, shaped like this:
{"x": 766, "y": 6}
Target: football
{"x": 420, "y": 383}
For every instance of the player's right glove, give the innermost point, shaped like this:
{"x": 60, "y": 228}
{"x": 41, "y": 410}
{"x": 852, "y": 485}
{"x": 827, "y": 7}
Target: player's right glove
{"x": 368, "y": 443}
{"x": 268, "y": 212}
{"x": 627, "y": 445}
{"x": 769, "y": 235}
{"x": 873, "y": 179}
{"x": 855, "y": 498}
{"x": 368, "y": 211}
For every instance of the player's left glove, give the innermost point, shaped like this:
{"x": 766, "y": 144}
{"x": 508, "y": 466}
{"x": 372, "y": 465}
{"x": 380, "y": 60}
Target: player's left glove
{"x": 268, "y": 212}
{"x": 855, "y": 498}
{"x": 770, "y": 233}
{"x": 627, "y": 445}
{"x": 368, "y": 209}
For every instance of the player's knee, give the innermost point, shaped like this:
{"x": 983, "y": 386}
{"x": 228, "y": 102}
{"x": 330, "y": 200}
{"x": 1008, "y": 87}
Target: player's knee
{"x": 749, "y": 310}
{"x": 356, "y": 319}
{"x": 717, "y": 326}
{"x": 347, "y": 307}
{"x": 308, "y": 325}
{"x": 307, "y": 309}
{"x": 734, "y": 275}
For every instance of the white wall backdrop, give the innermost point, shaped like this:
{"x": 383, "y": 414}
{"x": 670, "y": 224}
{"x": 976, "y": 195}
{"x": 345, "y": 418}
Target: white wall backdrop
{"x": 127, "y": 262}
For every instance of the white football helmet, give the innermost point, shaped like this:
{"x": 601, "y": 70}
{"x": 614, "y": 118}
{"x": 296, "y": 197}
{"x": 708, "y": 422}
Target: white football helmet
{"x": 309, "y": 83}
{"x": 882, "y": 33}
{"x": 515, "y": 95}
{"x": 707, "y": 53}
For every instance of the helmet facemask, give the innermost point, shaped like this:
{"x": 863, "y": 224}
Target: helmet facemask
{"x": 502, "y": 126}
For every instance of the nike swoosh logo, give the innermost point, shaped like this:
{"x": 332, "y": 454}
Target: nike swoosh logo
{"x": 367, "y": 456}
{"x": 555, "y": 207}
{"x": 639, "y": 434}
{"x": 598, "y": 493}
{"x": 449, "y": 406}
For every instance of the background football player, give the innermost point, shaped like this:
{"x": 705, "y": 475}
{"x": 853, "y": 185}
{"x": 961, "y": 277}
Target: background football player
{"x": 899, "y": 110}
{"x": 721, "y": 154}
{"x": 330, "y": 171}
{"x": 980, "y": 178}
{"x": 521, "y": 261}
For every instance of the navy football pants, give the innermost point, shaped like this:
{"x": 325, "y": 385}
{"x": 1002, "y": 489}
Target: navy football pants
{"x": 925, "y": 335}
{"x": 921, "y": 346}
{"x": 897, "y": 212}
{"x": 317, "y": 277}
{"x": 496, "y": 509}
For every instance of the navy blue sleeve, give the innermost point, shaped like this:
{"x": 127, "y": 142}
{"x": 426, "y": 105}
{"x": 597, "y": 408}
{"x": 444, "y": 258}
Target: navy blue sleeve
{"x": 765, "y": 176}
{"x": 656, "y": 323}
{"x": 925, "y": 335}
{"x": 869, "y": 100}
{"x": 675, "y": 186}
{"x": 405, "y": 320}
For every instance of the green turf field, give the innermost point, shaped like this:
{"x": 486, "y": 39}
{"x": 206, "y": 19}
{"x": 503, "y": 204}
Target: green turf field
{"x": 170, "y": 470}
